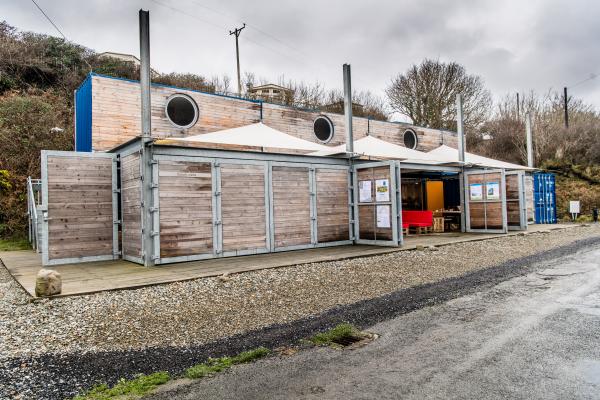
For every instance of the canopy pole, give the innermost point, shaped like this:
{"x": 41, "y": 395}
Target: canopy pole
{"x": 348, "y": 109}
{"x": 460, "y": 129}
{"x": 529, "y": 140}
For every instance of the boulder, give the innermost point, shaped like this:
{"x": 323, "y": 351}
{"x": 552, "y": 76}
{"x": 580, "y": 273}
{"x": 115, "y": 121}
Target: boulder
{"x": 47, "y": 283}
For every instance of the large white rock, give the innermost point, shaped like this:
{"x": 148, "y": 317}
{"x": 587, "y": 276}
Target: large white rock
{"x": 47, "y": 283}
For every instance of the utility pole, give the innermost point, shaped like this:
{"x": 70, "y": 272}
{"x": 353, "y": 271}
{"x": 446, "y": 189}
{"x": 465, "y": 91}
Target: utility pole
{"x": 566, "y": 110}
{"x": 529, "y": 137}
{"x": 460, "y": 128}
{"x": 348, "y": 108}
{"x": 518, "y": 106}
{"x": 237, "y": 32}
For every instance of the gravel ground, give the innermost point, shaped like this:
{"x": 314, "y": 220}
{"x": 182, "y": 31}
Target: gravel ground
{"x": 190, "y": 314}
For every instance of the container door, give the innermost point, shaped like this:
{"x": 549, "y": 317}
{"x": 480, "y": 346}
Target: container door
{"x": 377, "y": 208}
{"x": 485, "y": 201}
{"x": 79, "y": 207}
{"x": 516, "y": 205}
{"x": 545, "y": 198}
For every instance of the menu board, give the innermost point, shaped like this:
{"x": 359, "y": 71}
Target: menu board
{"x": 383, "y": 216}
{"x": 382, "y": 190}
{"x": 492, "y": 191}
{"x": 476, "y": 191}
{"x": 364, "y": 192}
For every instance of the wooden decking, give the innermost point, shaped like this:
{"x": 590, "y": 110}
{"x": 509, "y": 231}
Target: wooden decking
{"x": 99, "y": 276}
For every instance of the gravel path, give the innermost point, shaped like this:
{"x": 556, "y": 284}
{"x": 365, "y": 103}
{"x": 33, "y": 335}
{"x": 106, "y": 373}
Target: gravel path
{"x": 189, "y": 314}
{"x": 193, "y": 312}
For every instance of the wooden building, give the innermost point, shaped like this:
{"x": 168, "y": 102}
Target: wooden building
{"x": 171, "y": 199}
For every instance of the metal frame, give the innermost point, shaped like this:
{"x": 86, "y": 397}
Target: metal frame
{"x": 502, "y": 200}
{"x": 44, "y": 208}
{"x": 522, "y": 202}
{"x": 396, "y": 212}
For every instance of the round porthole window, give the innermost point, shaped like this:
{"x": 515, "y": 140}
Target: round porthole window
{"x": 410, "y": 139}
{"x": 323, "y": 129}
{"x": 182, "y": 111}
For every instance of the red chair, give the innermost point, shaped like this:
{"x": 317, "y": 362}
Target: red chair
{"x": 421, "y": 221}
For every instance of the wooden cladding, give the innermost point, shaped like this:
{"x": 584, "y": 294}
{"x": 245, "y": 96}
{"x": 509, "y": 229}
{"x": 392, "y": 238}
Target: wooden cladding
{"x": 80, "y": 207}
{"x": 131, "y": 201}
{"x": 332, "y": 205}
{"x": 186, "y": 211}
{"x": 291, "y": 206}
{"x": 513, "y": 206}
{"x": 484, "y": 194}
{"x": 243, "y": 213}
{"x": 116, "y": 118}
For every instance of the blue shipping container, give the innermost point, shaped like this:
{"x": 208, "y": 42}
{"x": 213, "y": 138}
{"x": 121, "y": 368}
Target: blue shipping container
{"x": 83, "y": 116}
{"x": 544, "y": 195}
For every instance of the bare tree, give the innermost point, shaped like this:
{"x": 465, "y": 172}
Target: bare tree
{"x": 426, "y": 93}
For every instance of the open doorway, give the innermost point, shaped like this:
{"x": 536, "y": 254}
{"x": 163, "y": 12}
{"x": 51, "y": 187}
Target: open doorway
{"x": 430, "y": 202}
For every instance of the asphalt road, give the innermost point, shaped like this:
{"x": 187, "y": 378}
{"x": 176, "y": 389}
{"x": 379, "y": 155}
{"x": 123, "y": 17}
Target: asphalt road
{"x": 531, "y": 337}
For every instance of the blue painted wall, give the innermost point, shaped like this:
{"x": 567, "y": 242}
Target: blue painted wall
{"x": 83, "y": 116}
{"x": 544, "y": 195}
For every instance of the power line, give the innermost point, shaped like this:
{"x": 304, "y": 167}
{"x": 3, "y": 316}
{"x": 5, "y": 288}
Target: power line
{"x": 589, "y": 78}
{"x": 49, "y": 19}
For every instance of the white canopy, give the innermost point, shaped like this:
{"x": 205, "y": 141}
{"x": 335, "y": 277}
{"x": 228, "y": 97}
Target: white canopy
{"x": 371, "y": 146}
{"x": 257, "y": 135}
{"x": 450, "y": 154}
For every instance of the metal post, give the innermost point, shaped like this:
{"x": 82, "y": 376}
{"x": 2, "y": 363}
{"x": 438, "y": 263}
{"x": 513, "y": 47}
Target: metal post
{"x": 566, "y": 109}
{"x": 146, "y": 151}
{"x": 348, "y": 109}
{"x": 529, "y": 140}
{"x": 460, "y": 129}
{"x": 145, "y": 71}
{"x": 237, "y": 33}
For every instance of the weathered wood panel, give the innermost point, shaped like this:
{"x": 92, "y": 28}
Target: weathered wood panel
{"x": 529, "y": 200}
{"x": 513, "y": 208}
{"x": 485, "y": 213}
{"x": 116, "y": 117}
{"x": 185, "y": 208}
{"x": 291, "y": 206}
{"x": 332, "y": 205}
{"x": 80, "y": 217}
{"x": 243, "y": 207}
{"x": 131, "y": 199}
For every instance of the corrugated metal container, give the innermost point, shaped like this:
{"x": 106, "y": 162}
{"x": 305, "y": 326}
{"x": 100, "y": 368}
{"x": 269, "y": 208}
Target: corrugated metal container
{"x": 544, "y": 185}
{"x": 83, "y": 116}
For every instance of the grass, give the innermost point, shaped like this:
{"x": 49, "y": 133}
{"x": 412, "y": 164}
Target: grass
{"x": 126, "y": 388}
{"x": 14, "y": 244}
{"x": 339, "y": 335}
{"x": 216, "y": 365}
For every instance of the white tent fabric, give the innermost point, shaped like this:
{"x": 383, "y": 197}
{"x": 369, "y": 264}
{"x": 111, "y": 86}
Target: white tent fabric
{"x": 450, "y": 154}
{"x": 257, "y": 135}
{"x": 371, "y": 146}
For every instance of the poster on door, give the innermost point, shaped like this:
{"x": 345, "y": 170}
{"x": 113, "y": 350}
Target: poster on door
{"x": 476, "y": 191}
{"x": 382, "y": 190}
{"x": 364, "y": 191}
{"x": 383, "y": 216}
{"x": 492, "y": 191}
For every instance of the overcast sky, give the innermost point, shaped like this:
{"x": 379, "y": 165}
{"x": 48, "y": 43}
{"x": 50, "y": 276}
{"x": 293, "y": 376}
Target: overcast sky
{"x": 514, "y": 45}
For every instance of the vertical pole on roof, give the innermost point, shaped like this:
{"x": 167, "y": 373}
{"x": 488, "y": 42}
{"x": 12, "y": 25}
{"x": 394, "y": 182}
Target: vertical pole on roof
{"x": 348, "y": 109}
{"x": 529, "y": 140}
{"x": 460, "y": 128}
{"x": 147, "y": 190}
{"x": 460, "y": 131}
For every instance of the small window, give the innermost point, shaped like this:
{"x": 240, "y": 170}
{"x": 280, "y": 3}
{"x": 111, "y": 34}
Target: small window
{"x": 323, "y": 129}
{"x": 410, "y": 139}
{"x": 182, "y": 111}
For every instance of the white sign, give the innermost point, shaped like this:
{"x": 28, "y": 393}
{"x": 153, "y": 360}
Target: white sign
{"x": 476, "y": 191}
{"x": 382, "y": 190}
{"x": 383, "y": 216}
{"x": 364, "y": 190}
{"x": 493, "y": 191}
{"x": 574, "y": 207}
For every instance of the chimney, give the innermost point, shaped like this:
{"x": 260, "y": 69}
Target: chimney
{"x": 145, "y": 72}
{"x": 460, "y": 129}
{"x": 348, "y": 109}
{"x": 529, "y": 140}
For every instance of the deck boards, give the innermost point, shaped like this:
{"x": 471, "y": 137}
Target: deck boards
{"x": 84, "y": 278}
